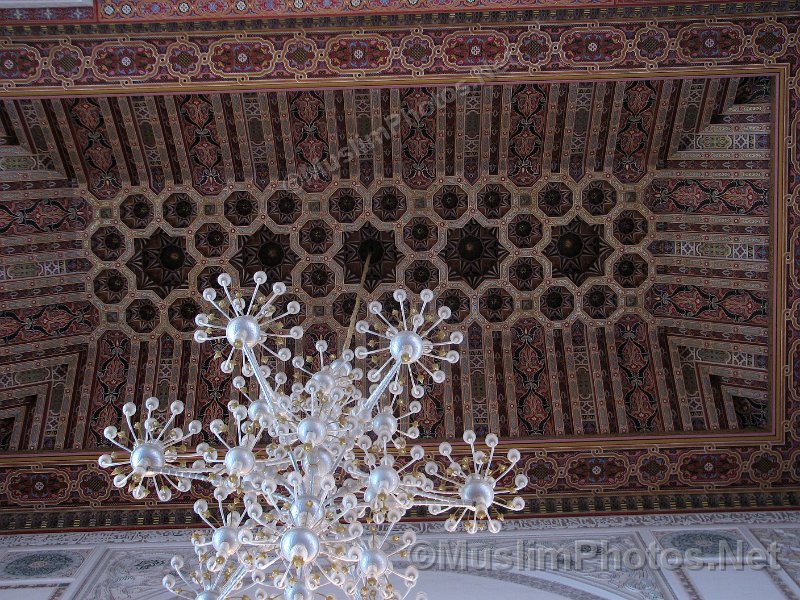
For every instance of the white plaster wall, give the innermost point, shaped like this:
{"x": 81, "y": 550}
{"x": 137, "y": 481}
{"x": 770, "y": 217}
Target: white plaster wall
{"x": 130, "y": 565}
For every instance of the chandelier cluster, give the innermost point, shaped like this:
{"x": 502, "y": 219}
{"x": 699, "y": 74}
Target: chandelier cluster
{"x": 306, "y": 482}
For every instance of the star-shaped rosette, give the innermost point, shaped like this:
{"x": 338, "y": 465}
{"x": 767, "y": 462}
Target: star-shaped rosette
{"x": 408, "y": 345}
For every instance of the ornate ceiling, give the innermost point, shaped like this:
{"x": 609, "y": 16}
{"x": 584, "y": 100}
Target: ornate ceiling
{"x": 613, "y": 249}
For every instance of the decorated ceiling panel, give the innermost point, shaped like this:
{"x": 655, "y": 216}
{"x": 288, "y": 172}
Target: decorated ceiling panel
{"x": 613, "y": 249}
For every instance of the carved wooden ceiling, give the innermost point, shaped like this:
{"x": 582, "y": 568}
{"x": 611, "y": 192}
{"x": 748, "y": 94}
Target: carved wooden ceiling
{"x": 607, "y": 246}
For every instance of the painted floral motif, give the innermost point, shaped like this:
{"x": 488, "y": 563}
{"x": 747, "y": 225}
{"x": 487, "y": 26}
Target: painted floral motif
{"x": 183, "y": 58}
{"x": 309, "y": 127}
{"x": 652, "y": 44}
{"x": 597, "y": 471}
{"x": 95, "y": 149}
{"x": 653, "y": 469}
{"x": 242, "y": 57}
{"x": 525, "y": 134}
{"x": 475, "y": 50}
{"x": 593, "y": 46}
{"x": 637, "y": 376}
{"x": 711, "y": 544}
{"x": 416, "y": 51}
{"x": 531, "y": 381}
{"x": 134, "y": 61}
{"x": 19, "y": 63}
{"x": 417, "y": 133}
{"x": 701, "y": 196}
{"x": 770, "y": 39}
{"x": 66, "y": 62}
{"x": 534, "y": 48}
{"x": 711, "y": 304}
{"x": 202, "y": 142}
{"x": 43, "y": 215}
{"x": 359, "y": 53}
{"x": 719, "y": 468}
{"x": 30, "y": 487}
{"x": 37, "y": 565}
{"x": 635, "y": 134}
{"x": 49, "y": 321}
{"x": 300, "y": 56}
{"x": 710, "y": 42}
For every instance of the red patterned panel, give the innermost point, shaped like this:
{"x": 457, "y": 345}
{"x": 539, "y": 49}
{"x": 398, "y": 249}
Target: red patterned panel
{"x": 201, "y": 137}
{"x": 635, "y": 134}
{"x": 310, "y": 139}
{"x": 637, "y": 374}
{"x": 89, "y": 129}
{"x": 531, "y": 378}
{"x": 418, "y": 137}
{"x": 36, "y": 487}
{"x": 707, "y": 196}
{"x": 708, "y": 304}
{"x": 108, "y": 393}
{"x": 44, "y": 215}
{"x": 43, "y": 322}
{"x": 526, "y": 133}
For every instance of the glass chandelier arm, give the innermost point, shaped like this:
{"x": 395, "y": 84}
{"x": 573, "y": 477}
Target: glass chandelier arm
{"x": 376, "y": 394}
{"x": 232, "y": 581}
{"x": 266, "y": 389}
{"x": 431, "y": 499}
{"x": 194, "y": 474}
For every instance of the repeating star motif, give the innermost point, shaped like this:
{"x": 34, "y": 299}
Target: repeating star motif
{"x": 379, "y": 246}
{"x": 577, "y": 250}
{"x": 473, "y": 253}
{"x": 265, "y": 251}
{"x": 161, "y": 263}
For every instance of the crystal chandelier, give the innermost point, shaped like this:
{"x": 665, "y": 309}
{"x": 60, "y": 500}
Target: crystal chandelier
{"x": 306, "y": 482}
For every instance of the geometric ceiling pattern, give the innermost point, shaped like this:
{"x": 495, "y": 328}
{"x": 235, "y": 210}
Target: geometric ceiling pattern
{"x": 613, "y": 248}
